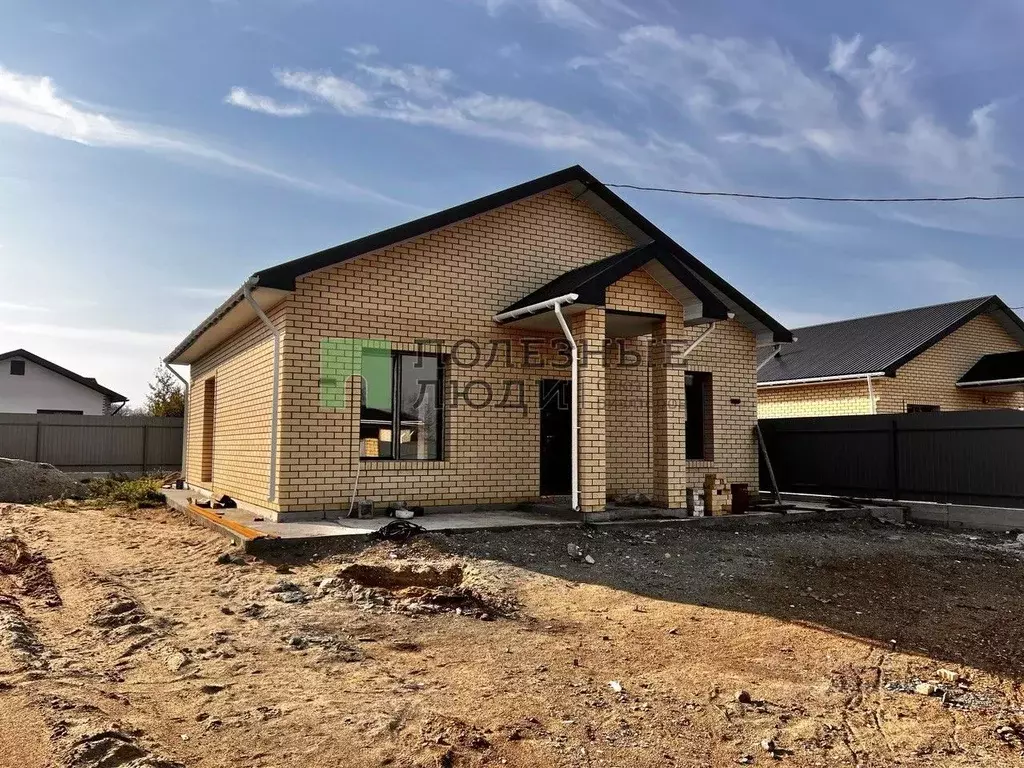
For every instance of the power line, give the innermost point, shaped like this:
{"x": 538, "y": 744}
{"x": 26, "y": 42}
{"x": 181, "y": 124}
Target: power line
{"x": 752, "y": 195}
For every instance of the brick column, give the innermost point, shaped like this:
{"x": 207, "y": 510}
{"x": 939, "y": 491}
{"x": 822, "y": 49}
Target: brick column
{"x": 668, "y": 410}
{"x": 588, "y": 329}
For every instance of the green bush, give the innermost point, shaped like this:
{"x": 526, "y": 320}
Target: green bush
{"x": 140, "y": 492}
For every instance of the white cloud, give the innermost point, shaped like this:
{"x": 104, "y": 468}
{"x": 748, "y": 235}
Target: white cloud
{"x": 860, "y": 109}
{"x": 363, "y": 50}
{"x": 578, "y": 14}
{"x": 947, "y": 277}
{"x": 420, "y": 95}
{"x": 240, "y": 97}
{"x": 559, "y": 11}
{"x": 12, "y": 306}
{"x": 111, "y": 336}
{"x": 33, "y": 103}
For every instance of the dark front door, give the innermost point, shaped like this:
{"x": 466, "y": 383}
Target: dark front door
{"x": 555, "y": 437}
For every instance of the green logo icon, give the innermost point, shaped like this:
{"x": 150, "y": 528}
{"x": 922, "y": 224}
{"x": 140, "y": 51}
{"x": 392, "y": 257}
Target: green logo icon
{"x": 340, "y": 359}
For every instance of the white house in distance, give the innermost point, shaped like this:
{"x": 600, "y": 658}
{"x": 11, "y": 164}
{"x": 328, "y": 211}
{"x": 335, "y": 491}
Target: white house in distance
{"x": 32, "y": 384}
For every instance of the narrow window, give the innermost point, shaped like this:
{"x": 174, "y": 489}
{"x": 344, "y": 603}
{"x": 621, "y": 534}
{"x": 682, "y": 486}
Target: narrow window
{"x": 406, "y": 423}
{"x": 54, "y": 412}
{"x": 17, "y": 367}
{"x": 921, "y": 408}
{"x": 209, "y": 409}
{"x": 699, "y": 417}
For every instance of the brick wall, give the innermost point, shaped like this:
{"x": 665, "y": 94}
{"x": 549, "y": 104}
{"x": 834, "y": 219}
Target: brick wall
{"x": 835, "y": 399}
{"x": 928, "y": 379}
{"x": 447, "y": 286}
{"x": 632, "y": 414}
{"x": 242, "y": 369}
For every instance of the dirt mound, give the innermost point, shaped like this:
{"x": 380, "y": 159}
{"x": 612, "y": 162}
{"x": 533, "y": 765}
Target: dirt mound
{"x": 402, "y": 575}
{"x": 113, "y": 749}
{"x": 16, "y": 633}
{"x": 30, "y": 570}
{"x": 417, "y": 588}
{"x": 121, "y": 619}
{"x": 26, "y": 482}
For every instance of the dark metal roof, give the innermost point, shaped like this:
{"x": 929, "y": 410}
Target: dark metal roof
{"x": 591, "y": 280}
{"x": 1004, "y": 367}
{"x": 875, "y": 344}
{"x": 92, "y": 384}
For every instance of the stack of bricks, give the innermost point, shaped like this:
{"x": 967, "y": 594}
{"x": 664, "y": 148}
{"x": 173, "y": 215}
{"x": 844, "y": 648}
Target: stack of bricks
{"x": 717, "y": 496}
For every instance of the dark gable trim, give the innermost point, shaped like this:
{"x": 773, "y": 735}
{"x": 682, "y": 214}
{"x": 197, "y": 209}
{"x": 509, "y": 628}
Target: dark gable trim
{"x": 993, "y": 304}
{"x": 283, "y": 276}
{"x": 591, "y": 281}
{"x": 43, "y": 362}
{"x": 780, "y": 333}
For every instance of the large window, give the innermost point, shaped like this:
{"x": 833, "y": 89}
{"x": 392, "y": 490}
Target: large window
{"x": 700, "y": 433}
{"x": 409, "y": 424}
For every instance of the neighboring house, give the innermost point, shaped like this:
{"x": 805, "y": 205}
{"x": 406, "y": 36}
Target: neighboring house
{"x": 965, "y": 355}
{"x": 484, "y": 415}
{"x": 32, "y": 384}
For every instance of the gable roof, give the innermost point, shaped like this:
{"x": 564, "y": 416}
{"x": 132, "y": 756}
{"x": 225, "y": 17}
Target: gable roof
{"x": 591, "y": 280}
{"x": 878, "y": 344}
{"x": 999, "y": 368}
{"x": 91, "y": 383}
{"x": 585, "y": 187}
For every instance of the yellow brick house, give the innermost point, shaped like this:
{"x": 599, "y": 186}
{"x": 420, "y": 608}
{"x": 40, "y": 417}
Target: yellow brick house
{"x": 545, "y": 340}
{"x": 960, "y": 356}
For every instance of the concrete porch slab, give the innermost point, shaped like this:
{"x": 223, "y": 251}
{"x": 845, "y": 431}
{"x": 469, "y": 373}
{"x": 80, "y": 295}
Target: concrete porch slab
{"x": 300, "y": 532}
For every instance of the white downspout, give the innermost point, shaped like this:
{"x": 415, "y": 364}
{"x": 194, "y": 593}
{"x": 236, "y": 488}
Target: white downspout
{"x": 184, "y": 430}
{"x": 575, "y": 408}
{"x": 871, "y": 395}
{"x": 556, "y": 304}
{"x": 272, "y": 481}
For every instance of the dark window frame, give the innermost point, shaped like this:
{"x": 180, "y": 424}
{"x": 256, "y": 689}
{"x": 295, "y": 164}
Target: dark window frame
{"x": 923, "y": 408}
{"x": 707, "y": 424}
{"x": 17, "y": 368}
{"x": 396, "y": 409}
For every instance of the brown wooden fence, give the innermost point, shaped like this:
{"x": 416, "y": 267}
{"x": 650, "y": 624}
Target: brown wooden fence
{"x": 958, "y": 457}
{"x": 93, "y": 443}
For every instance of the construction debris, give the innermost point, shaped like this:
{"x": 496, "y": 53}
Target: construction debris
{"x": 398, "y": 530}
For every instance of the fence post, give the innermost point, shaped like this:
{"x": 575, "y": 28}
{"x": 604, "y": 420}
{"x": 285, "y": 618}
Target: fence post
{"x": 39, "y": 435}
{"x": 895, "y": 466}
{"x": 145, "y": 446}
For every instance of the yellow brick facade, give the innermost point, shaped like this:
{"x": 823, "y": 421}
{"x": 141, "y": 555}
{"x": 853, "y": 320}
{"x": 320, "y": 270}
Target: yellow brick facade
{"x": 928, "y": 379}
{"x": 446, "y": 286}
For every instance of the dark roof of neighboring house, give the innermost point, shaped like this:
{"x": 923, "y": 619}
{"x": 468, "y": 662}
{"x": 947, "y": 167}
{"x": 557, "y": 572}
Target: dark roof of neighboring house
{"x": 92, "y": 384}
{"x": 1001, "y": 367}
{"x": 591, "y": 280}
{"x": 876, "y": 344}
{"x": 283, "y": 276}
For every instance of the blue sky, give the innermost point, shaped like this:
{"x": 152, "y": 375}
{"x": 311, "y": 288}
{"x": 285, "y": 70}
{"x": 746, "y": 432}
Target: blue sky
{"x": 154, "y": 154}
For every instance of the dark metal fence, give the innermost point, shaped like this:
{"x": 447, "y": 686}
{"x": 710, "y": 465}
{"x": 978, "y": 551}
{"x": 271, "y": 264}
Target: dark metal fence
{"x": 960, "y": 457}
{"x": 92, "y": 443}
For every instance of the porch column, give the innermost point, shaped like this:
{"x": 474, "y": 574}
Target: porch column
{"x": 588, "y": 329}
{"x": 668, "y": 410}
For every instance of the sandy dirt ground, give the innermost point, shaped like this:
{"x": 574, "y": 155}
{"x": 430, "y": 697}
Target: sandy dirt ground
{"x": 137, "y": 639}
